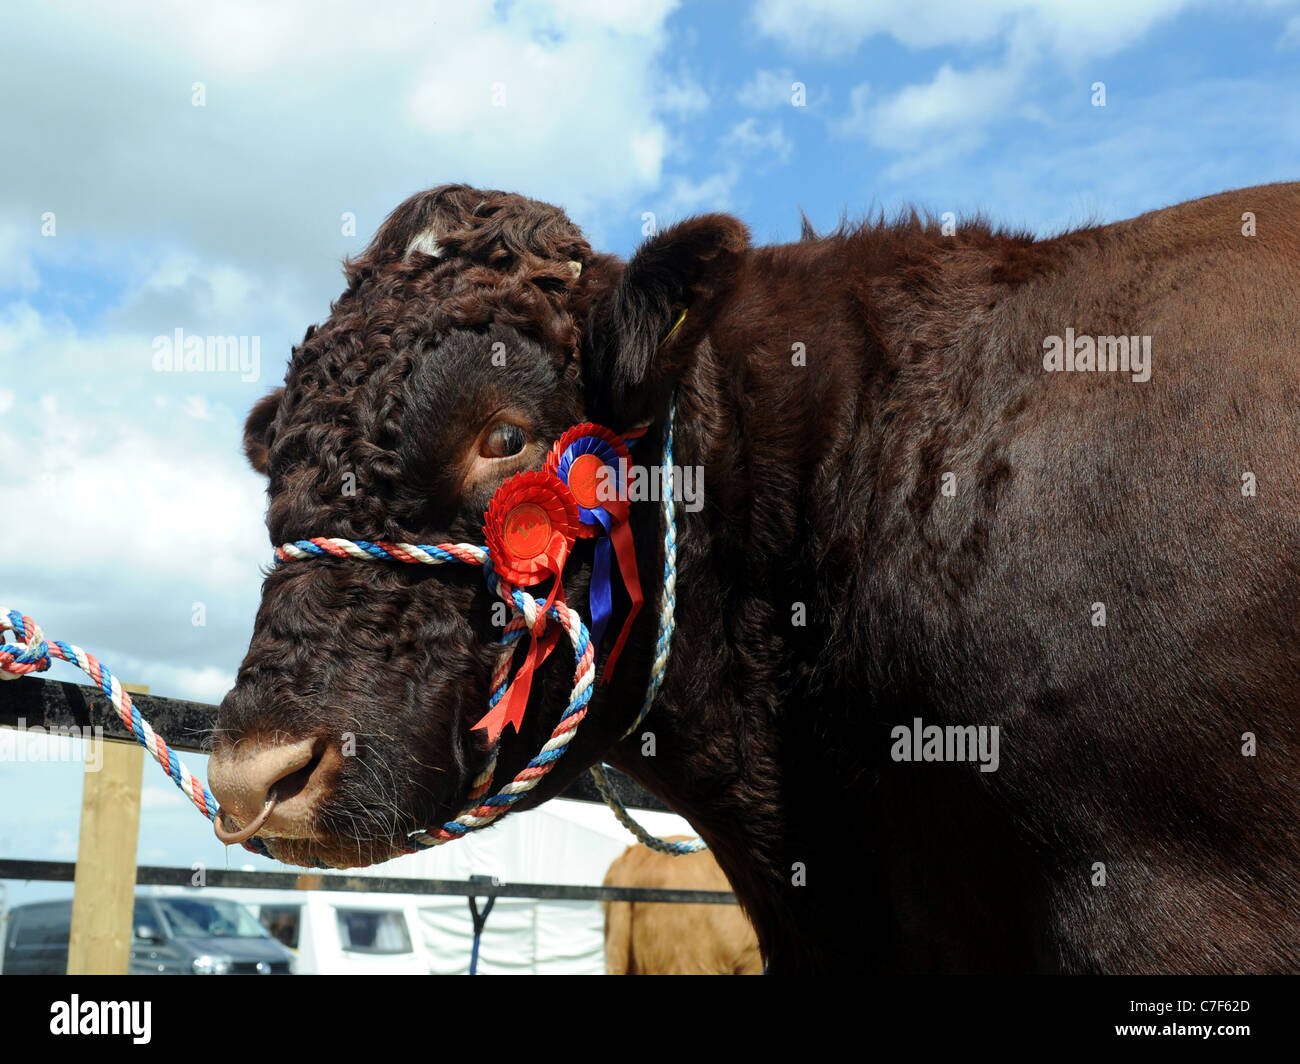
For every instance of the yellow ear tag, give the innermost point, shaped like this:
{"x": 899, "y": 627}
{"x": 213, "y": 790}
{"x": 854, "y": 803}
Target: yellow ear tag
{"x": 681, "y": 318}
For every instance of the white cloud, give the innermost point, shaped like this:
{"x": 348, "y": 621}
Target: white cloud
{"x": 207, "y": 684}
{"x": 215, "y": 291}
{"x": 683, "y": 96}
{"x": 64, "y": 847}
{"x": 748, "y": 139}
{"x": 152, "y": 797}
{"x": 767, "y": 90}
{"x": 1290, "y": 34}
{"x": 17, "y": 267}
{"x": 930, "y": 123}
{"x": 143, "y": 510}
{"x": 746, "y": 145}
{"x": 197, "y": 406}
{"x": 507, "y": 103}
{"x": 312, "y": 110}
{"x": 20, "y": 327}
{"x": 689, "y": 196}
{"x": 152, "y": 493}
{"x": 1067, "y": 27}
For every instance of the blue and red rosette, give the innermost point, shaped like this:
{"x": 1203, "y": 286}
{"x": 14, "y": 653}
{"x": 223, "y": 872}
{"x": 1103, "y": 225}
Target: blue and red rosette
{"x": 530, "y": 527}
{"x": 594, "y": 463}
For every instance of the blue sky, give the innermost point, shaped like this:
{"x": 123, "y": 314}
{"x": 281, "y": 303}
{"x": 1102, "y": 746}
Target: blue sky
{"x": 125, "y": 500}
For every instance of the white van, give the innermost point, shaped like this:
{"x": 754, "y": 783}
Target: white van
{"x": 343, "y": 933}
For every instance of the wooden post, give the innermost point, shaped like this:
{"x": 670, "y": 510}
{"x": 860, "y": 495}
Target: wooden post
{"x": 103, "y": 902}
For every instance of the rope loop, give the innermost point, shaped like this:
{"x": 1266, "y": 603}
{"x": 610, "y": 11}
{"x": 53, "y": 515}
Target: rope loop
{"x": 28, "y": 653}
{"x": 615, "y": 803}
{"x": 12, "y": 665}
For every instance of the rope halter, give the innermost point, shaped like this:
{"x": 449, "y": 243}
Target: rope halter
{"x": 530, "y": 528}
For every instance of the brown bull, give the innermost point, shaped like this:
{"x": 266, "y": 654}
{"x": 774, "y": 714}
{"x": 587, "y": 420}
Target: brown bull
{"x": 659, "y": 938}
{"x": 987, "y": 604}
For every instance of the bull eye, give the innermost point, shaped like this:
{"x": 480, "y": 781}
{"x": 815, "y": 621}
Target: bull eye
{"x": 504, "y": 441}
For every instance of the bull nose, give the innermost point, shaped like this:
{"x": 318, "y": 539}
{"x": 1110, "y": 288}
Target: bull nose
{"x": 244, "y": 776}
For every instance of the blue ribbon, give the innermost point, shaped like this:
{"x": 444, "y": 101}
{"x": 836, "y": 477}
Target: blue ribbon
{"x": 601, "y": 596}
{"x": 601, "y": 593}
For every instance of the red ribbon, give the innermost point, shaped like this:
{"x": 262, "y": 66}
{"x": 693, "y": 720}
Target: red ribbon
{"x": 530, "y": 526}
{"x": 514, "y": 703}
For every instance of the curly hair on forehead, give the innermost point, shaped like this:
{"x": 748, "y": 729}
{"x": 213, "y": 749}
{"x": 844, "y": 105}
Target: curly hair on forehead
{"x": 486, "y": 226}
{"x": 450, "y": 258}
{"x": 468, "y": 257}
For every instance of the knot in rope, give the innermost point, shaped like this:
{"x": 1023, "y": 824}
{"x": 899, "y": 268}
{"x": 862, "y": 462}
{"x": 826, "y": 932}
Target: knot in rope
{"x": 529, "y": 613}
{"x": 29, "y": 652}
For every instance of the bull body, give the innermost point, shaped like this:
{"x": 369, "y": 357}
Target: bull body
{"x": 914, "y": 517}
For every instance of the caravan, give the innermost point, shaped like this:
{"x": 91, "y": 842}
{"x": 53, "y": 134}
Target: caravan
{"x": 341, "y": 932}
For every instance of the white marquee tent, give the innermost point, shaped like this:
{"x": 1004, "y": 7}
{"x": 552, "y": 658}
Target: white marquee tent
{"x": 562, "y": 842}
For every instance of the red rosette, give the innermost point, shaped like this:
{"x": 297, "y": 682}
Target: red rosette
{"x": 530, "y": 526}
{"x": 583, "y": 469}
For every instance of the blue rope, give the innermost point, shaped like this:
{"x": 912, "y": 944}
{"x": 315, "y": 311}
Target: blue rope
{"x": 663, "y": 645}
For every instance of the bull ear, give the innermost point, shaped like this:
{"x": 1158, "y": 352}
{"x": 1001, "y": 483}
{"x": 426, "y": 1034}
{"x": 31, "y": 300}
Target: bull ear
{"x": 257, "y": 429}
{"x": 631, "y": 362}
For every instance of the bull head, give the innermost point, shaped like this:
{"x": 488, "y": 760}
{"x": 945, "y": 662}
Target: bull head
{"x": 475, "y": 328}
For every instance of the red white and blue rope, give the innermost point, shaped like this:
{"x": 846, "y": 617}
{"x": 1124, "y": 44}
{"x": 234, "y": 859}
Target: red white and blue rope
{"x": 478, "y": 812}
{"x": 31, "y": 652}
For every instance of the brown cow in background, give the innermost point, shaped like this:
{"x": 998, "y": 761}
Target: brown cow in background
{"x": 661, "y": 938}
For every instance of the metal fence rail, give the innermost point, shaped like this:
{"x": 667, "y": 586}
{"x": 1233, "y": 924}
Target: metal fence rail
{"x": 58, "y": 707}
{"x": 36, "y": 702}
{"x": 161, "y": 876}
